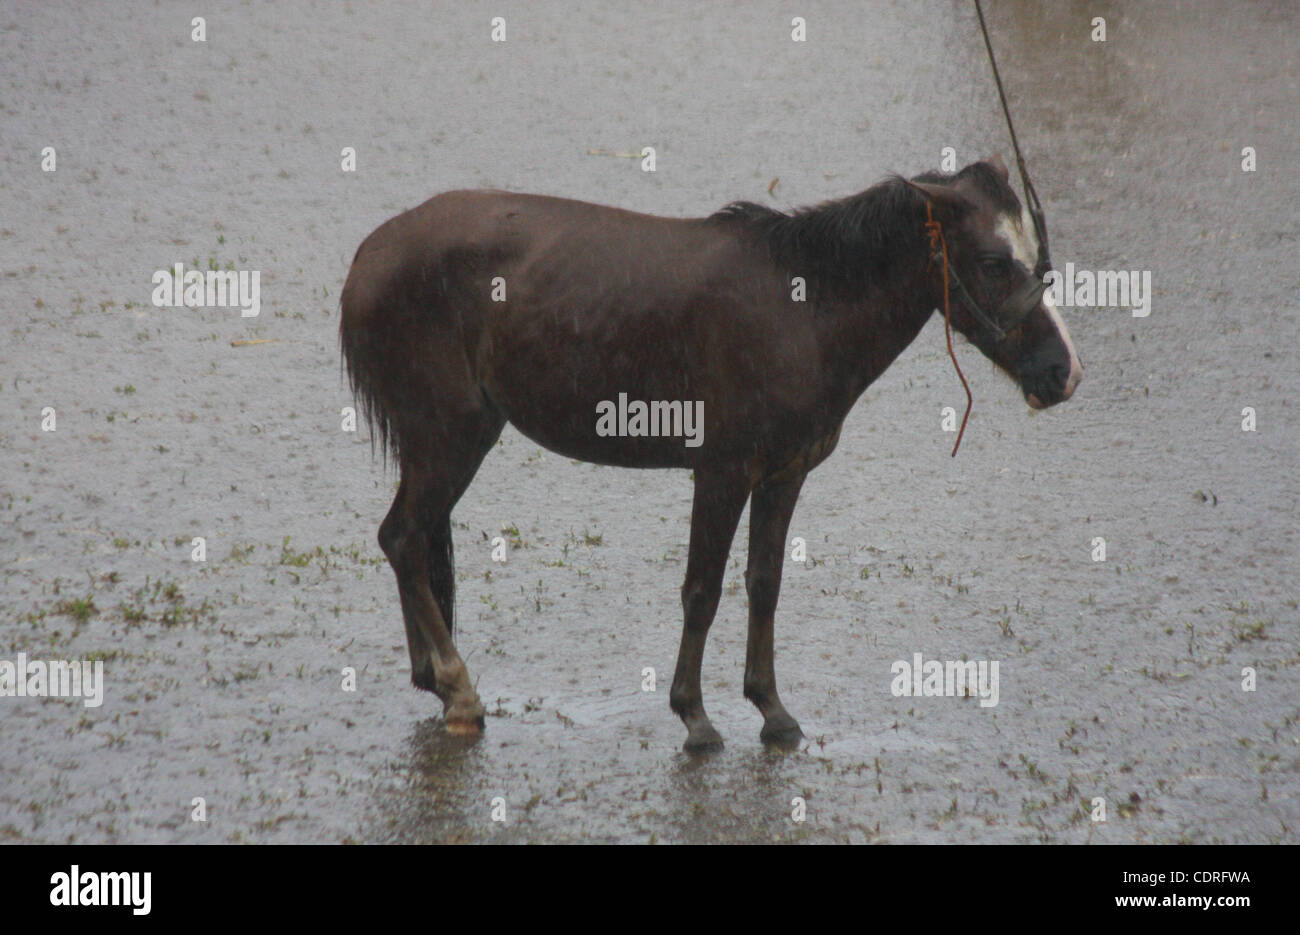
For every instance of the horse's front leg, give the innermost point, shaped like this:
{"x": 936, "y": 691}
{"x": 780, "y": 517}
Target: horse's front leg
{"x": 769, "y": 520}
{"x": 719, "y": 501}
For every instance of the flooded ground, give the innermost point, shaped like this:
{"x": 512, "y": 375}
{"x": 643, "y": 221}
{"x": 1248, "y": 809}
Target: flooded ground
{"x": 1120, "y": 679}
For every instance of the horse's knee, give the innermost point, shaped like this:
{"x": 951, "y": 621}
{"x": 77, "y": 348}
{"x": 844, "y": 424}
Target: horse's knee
{"x": 699, "y": 603}
{"x": 390, "y": 535}
{"x": 397, "y": 541}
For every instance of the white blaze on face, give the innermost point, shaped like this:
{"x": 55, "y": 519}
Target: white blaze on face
{"x": 1020, "y": 237}
{"x": 1018, "y": 232}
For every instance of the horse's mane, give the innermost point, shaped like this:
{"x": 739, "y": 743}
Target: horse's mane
{"x": 855, "y": 240}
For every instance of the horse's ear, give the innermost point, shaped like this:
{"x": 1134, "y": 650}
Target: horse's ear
{"x": 947, "y": 202}
{"x": 995, "y": 162}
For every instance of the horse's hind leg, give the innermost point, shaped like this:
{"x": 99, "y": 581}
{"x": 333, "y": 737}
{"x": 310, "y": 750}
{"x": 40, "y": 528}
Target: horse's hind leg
{"x": 719, "y": 501}
{"x": 442, "y": 570}
{"x": 769, "y": 520}
{"x": 416, "y": 537}
{"x": 442, "y": 560}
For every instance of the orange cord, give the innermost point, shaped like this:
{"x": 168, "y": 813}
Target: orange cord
{"x": 937, "y": 242}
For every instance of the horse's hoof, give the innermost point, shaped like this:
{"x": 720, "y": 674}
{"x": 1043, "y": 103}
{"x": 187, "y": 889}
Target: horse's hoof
{"x": 464, "y": 727}
{"x": 703, "y": 740}
{"x": 465, "y": 720}
{"x": 782, "y": 732}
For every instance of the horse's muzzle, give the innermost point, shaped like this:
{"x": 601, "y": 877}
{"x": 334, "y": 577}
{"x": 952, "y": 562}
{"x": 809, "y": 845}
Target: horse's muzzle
{"x": 1048, "y": 381}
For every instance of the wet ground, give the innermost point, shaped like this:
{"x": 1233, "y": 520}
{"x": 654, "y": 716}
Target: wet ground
{"x": 1120, "y": 679}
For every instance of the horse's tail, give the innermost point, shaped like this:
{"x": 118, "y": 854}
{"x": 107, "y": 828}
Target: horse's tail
{"x": 380, "y": 330}
{"x": 362, "y": 336}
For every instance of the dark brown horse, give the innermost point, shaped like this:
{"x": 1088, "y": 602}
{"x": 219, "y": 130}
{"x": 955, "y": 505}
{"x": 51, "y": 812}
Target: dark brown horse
{"x": 598, "y": 333}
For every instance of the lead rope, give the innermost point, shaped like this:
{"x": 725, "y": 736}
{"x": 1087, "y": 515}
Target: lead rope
{"x": 940, "y": 246}
{"x": 1031, "y": 196}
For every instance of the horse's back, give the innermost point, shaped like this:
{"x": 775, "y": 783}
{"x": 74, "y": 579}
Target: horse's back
{"x": 492, "y": 295}
{"x": 490, "y": 222}
{"x": 485, "y": 251}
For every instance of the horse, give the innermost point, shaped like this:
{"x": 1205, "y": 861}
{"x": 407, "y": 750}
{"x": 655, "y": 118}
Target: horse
{"x": 479, "y": 308}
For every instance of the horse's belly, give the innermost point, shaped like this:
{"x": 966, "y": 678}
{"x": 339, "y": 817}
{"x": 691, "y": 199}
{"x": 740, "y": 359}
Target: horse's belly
{"x": 601, "y": 424}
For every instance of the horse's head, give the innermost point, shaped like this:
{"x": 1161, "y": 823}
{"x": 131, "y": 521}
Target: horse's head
{"x": 996, "y": 295}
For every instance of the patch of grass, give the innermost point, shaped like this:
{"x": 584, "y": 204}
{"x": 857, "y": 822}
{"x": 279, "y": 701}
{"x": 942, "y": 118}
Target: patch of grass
{"x": 240, "y": 553}
{"x": 180, "y": 613}
{"x": 1251, "y": 632}
{"x": 1032, "y": 767}
{"x": 165, "y": 602}
{"x": 513, "y": 536}
{"x": 353, "y": 552}
{"x": 1131, "y": 807}
{"x": 80, "y": 610}
{"x": 297, "y": 559}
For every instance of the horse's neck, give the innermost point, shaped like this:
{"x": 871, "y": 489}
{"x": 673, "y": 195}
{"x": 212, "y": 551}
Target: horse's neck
{"x": 868, "y": 335}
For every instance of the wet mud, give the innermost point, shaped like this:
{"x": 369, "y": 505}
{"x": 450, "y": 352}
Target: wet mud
{"x": 1119, "y": 679}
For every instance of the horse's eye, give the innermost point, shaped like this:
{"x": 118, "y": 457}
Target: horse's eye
{"x": 995, "y": 265}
